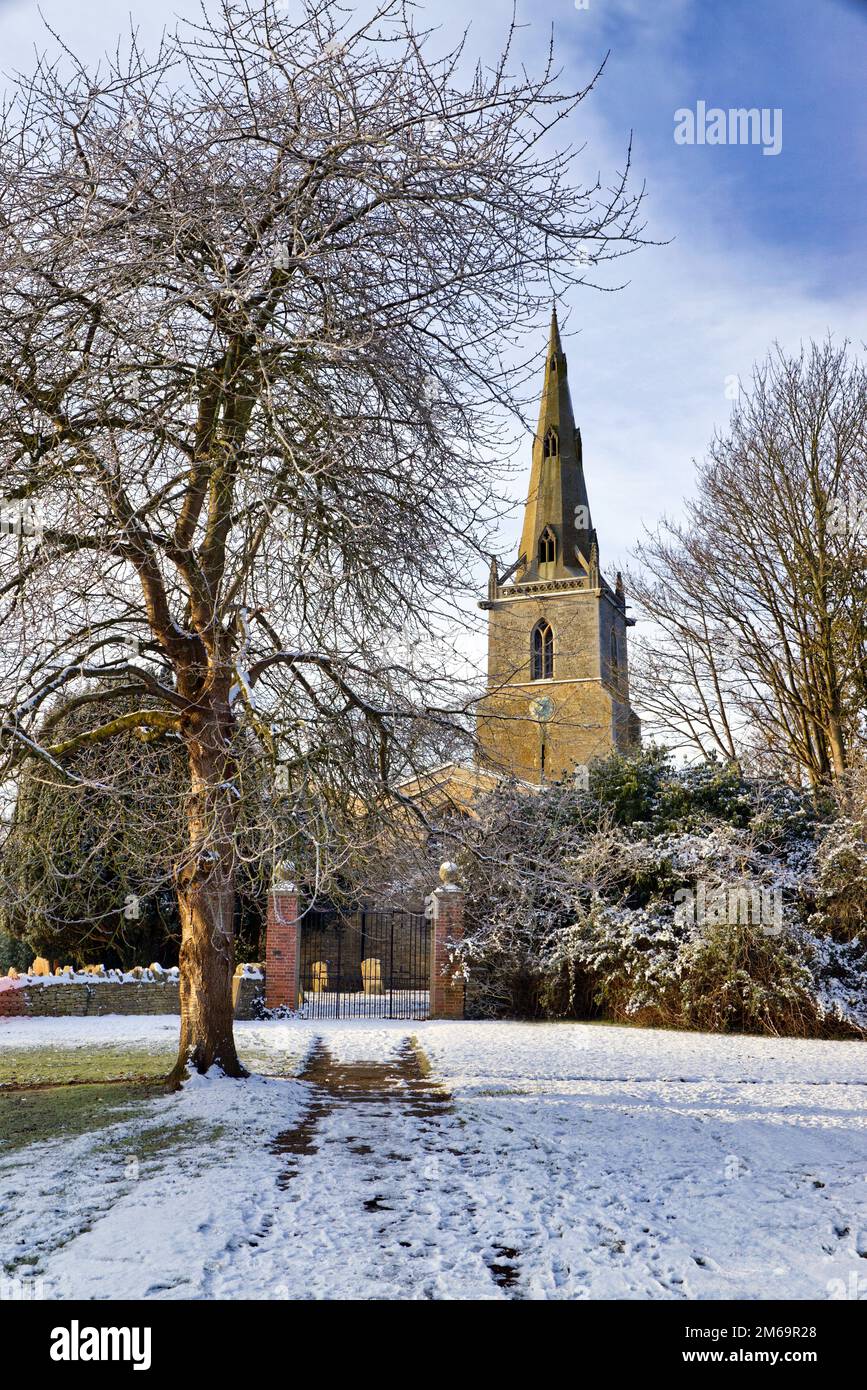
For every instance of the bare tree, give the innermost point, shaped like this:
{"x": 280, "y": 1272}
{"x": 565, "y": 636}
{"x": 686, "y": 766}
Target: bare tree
{"x": 756, "y": 606}
{"x": 258, "y": 296}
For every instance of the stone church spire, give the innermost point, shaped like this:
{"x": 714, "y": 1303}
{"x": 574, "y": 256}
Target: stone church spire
{"x": 558, "y": 537}
{"x": 558, "y": 672}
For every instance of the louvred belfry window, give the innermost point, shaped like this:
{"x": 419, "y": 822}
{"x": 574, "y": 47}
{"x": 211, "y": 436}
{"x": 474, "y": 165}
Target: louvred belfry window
{"x": 542, "y": 655}
{"x": 547, "y": 547}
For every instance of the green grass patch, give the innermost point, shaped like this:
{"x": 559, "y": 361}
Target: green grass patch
{"x": 105, "y": 1061}
{"x": 29, "y": 1066}
{"x": 64, "y": 1112}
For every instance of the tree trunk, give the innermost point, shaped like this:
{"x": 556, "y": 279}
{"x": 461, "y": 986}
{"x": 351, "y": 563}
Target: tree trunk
{"x": 837, "y": 742}
{"x": 207, "y": 965}
{"x": 206, "y": 903}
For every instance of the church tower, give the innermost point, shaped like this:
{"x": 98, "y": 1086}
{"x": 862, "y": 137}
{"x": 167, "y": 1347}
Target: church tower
{"x": 558, "y": 681}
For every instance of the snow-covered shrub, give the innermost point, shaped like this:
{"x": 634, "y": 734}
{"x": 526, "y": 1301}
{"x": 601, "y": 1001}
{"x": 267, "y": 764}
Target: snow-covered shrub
{"x": 783, "y": 817}
{"x": 644, "y": 789}
{"x": 574, "y": 910}
{"x": 711, "y": 791}
{"x": 839, "y": 976}
{"x": 522, "y": 892}
{"x": 630, "y": 958}
{"x": 738, "y": 977}
{"x": 840, "y": 881}
{"x": 637, "y": 870}
{"x": 630, "y": 786}
{"x": 650, "y": 968}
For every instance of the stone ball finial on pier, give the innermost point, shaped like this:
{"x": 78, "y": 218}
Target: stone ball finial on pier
{"x": 449, "y": 874}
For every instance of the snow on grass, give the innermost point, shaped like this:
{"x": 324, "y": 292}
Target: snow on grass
{"x": 147, "y": 1206}
{"x": 574, "y": 1161}
{"x": 644, "y": 1163}
{"x": 148, "y": 1030}
{"x": 558, "y": 1051}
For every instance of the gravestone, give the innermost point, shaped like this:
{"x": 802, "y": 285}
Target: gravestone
{"x": 371, "y": 976}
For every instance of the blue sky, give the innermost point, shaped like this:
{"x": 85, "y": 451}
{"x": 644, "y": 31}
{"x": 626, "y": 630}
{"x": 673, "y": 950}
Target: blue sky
{"x": 809, "y": 59}
{"x": 759, "y": 248}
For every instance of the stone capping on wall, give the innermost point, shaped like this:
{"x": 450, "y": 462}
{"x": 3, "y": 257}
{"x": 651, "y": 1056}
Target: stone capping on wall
{"x": 88, "y": 975}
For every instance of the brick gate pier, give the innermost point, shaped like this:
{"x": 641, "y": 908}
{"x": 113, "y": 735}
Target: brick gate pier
{"x": 286, "y": 924}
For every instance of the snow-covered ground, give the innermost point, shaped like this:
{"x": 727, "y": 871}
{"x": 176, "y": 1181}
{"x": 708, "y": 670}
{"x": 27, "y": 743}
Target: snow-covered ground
{"x": 572, "y": 1161}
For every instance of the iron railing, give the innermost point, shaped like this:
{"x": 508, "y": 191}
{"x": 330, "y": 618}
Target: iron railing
{"x": 364, "y": 964}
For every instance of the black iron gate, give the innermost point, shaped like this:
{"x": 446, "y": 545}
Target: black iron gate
{"x": 364, "y": 964}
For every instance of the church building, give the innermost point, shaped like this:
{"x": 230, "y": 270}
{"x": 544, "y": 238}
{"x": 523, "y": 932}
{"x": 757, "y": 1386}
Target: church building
{"x": 557, "y": 690}
{"x": 558, "y": 677}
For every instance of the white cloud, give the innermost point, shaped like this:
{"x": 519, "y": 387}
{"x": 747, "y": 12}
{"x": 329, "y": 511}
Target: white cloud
{"x": 649, "y": 365}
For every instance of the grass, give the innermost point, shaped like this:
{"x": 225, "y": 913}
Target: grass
{"x": 64, "y": 1112}
{"x": 50, "y": 1092}
{"x": 127, "y": 1140}
{"x": 57, "y": 1066}
{"x": 152, "y": 1143}
{"x": 33, "y": 1066}
{"x": 103, "y": 1094}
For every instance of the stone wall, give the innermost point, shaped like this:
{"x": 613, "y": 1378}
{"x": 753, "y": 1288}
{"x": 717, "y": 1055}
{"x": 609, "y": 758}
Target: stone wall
{"x": 248, "y": 994}
{"x": 82, "y": 997}
{"x": 101, "y": 999}
{"x": 13, "y": 1003}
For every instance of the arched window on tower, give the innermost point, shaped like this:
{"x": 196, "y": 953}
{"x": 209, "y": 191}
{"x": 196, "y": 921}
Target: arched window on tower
{"x": 542, "y": 652}
{"x": 547, "y": 547}
{"x": 551, "y": 444}
{"x": 615, "y": 661}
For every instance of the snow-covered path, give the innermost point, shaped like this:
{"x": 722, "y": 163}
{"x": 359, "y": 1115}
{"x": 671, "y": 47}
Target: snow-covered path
{"x": 550, "y": 1161}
